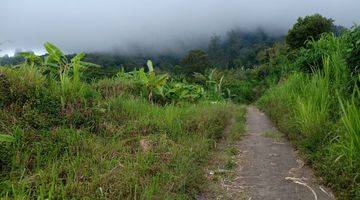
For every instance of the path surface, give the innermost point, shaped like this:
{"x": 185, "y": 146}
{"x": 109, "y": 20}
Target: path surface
{"x": 268, "y": 167}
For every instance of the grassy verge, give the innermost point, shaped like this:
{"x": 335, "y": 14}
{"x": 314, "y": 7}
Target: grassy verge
{"x": 220, "y": 170}
{"x": 84, "y": 142}
{"x": 320, "y": 113}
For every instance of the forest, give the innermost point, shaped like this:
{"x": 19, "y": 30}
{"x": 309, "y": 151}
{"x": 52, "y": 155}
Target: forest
{"x": 103, "y": 125}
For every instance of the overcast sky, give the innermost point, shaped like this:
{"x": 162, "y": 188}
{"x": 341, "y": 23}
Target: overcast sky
{"x": 99, "y": 25}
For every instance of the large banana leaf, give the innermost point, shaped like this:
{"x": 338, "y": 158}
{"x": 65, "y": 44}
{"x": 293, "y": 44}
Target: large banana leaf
{"x": 54, "y": 53}
{"x": 142, "y": 76}
{"x": 78, "y": 58}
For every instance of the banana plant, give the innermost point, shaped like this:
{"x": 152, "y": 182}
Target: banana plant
{"x": 153, "y": 82}
{"x": 56, "y": 62}
{"x": 150, "y": 81}
{"x": 213, "y": 83}
{"x": 56, "y": 59}
{"x": 180, "y": 91}
{"x": 32, "y": 59}
{"x": 56, "y": 65}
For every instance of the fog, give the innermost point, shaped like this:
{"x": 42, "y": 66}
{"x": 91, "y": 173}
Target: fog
{"x": 153, "y": 25}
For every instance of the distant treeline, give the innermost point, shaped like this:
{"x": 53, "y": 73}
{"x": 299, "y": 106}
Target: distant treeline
{"x": 237, "y": 48}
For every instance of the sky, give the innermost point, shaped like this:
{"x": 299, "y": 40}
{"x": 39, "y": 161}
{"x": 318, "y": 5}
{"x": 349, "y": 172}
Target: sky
{"x": 156, "y": 25}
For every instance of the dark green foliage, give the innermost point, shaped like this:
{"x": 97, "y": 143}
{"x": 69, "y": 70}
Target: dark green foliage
{"x": 338, "y": 30}
{"x": 195, "y": 61}
{"x": 216, "y": 52}
{"x": 238, "y": 48}
{"x": 309, "y": 27}
{"x": 353, "y": 51}
{"x": 7, "y": 60}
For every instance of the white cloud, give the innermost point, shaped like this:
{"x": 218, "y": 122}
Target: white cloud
{"x": 94, "y": 25}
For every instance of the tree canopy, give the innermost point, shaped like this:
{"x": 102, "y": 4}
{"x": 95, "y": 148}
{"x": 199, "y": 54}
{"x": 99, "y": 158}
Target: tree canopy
{"x": 311, "y": 26}
{"x": 195, "y": 61}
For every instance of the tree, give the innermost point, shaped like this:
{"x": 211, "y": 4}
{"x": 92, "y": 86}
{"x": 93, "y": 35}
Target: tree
{"x": 216, "y": 52}
{"x": 306, "y": 28}
{"x": 233, "y": 45}
{"x": 338, "y": 30}
{"x": 195, "y": 61}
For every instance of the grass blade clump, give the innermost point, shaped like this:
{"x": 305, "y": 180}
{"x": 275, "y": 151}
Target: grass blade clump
{"x": 319, "y": 108}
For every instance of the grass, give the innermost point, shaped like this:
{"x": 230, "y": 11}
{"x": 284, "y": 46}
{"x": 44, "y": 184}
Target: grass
{"x": 321, "y": 116}
{"x": 105, "y": 142}
{"x": 221, "y": 167}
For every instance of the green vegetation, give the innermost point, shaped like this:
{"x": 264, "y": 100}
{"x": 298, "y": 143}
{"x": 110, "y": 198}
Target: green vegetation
{"x": 195, "y": 61}
{"x": 138, "y": 135}
{"x": 71, "y": 129}
{"x": 221, "y": 168}
{"x": 319, "y": 110}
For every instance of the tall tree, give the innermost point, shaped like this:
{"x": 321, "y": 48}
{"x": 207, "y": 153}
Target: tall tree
{"x": 233, "y": 46}
{"x": 311, "y": 26}
{"x": 195, "y": 61}
{"x": 216, "y": 52}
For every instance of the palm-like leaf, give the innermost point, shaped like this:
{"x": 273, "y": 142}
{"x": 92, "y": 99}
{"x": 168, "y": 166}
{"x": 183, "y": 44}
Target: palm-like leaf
{"x": 53, "y": 51}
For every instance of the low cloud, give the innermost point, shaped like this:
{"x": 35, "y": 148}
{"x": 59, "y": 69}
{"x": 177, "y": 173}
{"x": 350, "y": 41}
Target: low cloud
{"x": 159, "y": 26}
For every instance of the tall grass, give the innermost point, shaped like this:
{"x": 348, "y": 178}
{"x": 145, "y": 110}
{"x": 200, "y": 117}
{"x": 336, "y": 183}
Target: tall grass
{"x": 320, "y": 112}
{"x": 312, "y": 108}
{"x": 350, "y": 138}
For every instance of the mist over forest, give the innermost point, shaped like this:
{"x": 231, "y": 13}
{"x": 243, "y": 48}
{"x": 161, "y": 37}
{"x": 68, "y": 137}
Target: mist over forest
{"x": 152, "y": 27}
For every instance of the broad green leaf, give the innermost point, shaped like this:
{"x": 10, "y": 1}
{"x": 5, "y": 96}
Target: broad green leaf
{"x": 53, "y": 50}
{"x": 161, "y": 79}
{"x": 143, "y": 77}
{"x": 78, "y": 58}
{"x": 88, "y": 64}
{"x": 55, "y": 54}
{"x": 27, "y": 54}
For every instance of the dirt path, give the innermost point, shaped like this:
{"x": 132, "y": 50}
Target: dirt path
{"x": 268, "y": 167}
